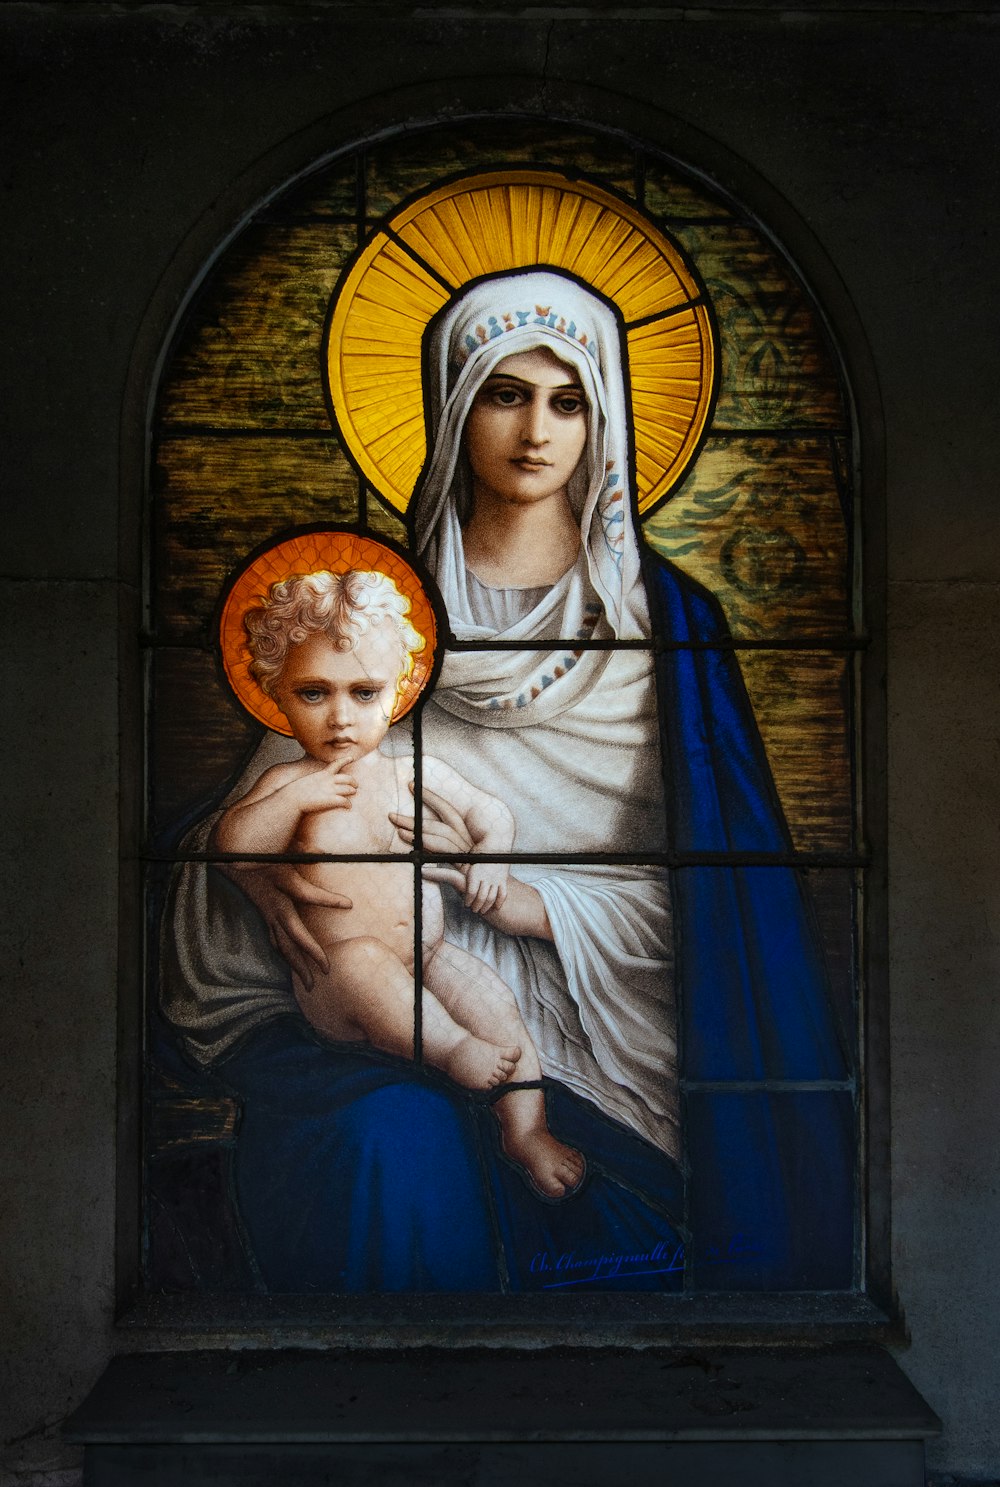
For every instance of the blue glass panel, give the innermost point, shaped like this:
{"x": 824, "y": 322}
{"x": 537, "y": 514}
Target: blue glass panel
{"x": 771, "y": 1189}
{"x": 755, "y": 993}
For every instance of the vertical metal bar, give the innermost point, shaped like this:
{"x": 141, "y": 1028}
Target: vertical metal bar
{"x": 418, "y": 850}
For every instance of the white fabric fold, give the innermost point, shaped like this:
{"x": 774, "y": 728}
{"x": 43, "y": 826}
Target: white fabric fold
{"x": 567, "y": 737}
{"x": 598, "y": 1000}
{"x": 506, "y": 317}
{"x": 220, "y": 977}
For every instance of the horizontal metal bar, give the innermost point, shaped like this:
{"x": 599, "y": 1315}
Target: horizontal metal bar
{"x": 292, "y": 219}
{"x": 784, "y": 431}
{"x": 766, "y": 1086}
{"x": 671, "y": 314}
{"x": 819, "y": 643}
{"x": 182, "y": 430}
{"x": 659, "y": 646}
{"x": 679, "y": 860}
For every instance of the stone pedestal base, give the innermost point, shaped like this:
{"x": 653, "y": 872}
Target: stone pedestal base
{"x": 818, "y": 1417}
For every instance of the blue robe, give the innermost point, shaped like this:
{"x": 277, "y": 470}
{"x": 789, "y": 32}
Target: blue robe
{"x": 356, "y": 1172}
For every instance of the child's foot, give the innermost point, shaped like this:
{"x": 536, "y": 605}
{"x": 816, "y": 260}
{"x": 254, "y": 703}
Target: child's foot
{"x": 478, "y": 1064}
{"x": 554, "y": 1169}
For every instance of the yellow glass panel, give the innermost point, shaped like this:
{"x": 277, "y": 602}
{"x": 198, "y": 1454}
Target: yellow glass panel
{"x": 373, "y": 363}
{"x": 670, "y": 365}
{"x": 488, "y": 224}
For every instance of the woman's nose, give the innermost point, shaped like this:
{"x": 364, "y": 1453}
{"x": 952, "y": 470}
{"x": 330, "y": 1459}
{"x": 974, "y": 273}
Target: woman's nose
{"x": 536, "y": 421}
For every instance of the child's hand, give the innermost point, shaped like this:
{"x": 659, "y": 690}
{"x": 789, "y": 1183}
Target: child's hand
{"x": 485, "y": 886}
{"x": 327, "y": 789}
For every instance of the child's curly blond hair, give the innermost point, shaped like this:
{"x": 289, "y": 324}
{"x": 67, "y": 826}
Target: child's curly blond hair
{"x": 342, "y": 606}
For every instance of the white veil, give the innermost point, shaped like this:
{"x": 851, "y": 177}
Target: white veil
{"x": 566, "y": 736}
{"x": 505, "y": 317}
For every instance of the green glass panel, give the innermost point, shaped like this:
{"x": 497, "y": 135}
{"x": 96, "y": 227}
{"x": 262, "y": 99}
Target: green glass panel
{"x": 760, "y": 522}
{"x": 777, "y": 370}
{"x": 199, "y": 737}
{"x": 250, "y": 356}
{"x": 216, "y": 498}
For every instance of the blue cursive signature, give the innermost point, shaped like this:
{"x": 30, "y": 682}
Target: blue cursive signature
{"x": 666, "y": 1257}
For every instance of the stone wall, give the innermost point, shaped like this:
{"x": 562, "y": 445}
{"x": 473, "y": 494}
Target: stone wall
{"x": 136, "y": 136}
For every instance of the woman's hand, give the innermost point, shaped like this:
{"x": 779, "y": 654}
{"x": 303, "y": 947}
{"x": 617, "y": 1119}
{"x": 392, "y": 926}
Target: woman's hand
{"x": 485, "y": 886}
{"x": 516, "y": 909}
{"x": 522, "y": 912}
{"x": 444, "y": 830}
{"x": 276, "y": 890}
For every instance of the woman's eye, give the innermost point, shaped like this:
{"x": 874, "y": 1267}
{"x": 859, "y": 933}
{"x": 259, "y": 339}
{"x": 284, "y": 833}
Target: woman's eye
{"x": 312, "y": 694}
{"x": 502, "y": 397}
{"x": 571, "y": 405}
{"x": 366, "y": 694}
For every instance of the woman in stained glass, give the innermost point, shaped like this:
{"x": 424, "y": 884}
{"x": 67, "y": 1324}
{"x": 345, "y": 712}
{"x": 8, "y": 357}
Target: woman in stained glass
{"x": 525, "y": 519}
{"x": 351, "y": 1169}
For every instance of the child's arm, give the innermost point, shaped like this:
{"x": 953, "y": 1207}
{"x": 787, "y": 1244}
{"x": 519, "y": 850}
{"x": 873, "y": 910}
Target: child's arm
{"x": 267, "y": 818}
{"x": 521, "y": 911}
{"x": 488, "y": 822}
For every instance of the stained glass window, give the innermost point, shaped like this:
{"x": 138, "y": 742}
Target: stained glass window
{"x": 530, "y": 965}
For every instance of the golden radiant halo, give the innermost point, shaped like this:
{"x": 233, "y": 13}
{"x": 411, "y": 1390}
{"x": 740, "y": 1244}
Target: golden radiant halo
{"x": 315, "y": 552}
{"x": 494, "y": 222}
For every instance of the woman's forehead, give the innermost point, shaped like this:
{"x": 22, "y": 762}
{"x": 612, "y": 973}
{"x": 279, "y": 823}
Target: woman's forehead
{"x": 540, "y": 366}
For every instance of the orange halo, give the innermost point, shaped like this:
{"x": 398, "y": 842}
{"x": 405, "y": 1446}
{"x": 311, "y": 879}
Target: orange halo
{"x": 315, "y": 552}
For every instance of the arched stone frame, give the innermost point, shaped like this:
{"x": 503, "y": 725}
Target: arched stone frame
{"x": 200, "y": 250}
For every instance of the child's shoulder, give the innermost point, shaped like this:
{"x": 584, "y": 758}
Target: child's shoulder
{"x": 399, "y": 771}
{"x": 436, "y": 769}
{"x": 284, "y": 774}
{"x": 294, "y": 768}
{"x": 401, "y": 765}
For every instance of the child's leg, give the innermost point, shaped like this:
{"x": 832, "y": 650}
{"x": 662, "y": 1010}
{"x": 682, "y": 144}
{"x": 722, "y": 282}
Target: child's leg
{"x": 369, "y": 993}
{"x": 477, "y": 998}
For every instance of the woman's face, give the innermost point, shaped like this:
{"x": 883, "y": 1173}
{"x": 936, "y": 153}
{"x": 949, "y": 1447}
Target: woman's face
{"x": 526, "y": 429}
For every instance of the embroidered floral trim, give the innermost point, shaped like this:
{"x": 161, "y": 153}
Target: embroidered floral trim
{"x": 611, "y": 510}
{"x": 545, "y": 678}
{"x": 497, "y": 325}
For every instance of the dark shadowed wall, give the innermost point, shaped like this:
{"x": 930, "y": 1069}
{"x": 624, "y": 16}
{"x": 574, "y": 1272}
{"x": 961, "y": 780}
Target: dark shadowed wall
{"x": 135, "y": 137}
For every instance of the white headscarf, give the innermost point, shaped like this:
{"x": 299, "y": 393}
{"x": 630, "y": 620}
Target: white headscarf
{"x": 566, "y": 736}
{"x": 602, "y": 595}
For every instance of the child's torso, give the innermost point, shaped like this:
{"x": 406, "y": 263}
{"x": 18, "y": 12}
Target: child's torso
{"x": 381, "y": 893}
{"x": 364, "y": 826}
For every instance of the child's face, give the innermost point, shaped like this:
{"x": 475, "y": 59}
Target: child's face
{"x": 339, "y": 703}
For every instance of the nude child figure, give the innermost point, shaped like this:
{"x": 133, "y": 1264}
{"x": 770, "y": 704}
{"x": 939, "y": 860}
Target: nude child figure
{"x": 332, "y": 651}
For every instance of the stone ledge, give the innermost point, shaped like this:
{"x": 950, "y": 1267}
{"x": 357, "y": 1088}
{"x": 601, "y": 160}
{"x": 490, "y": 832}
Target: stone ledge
{"x": 521, "y": 1321}
{"x": 424, "y": 1396}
